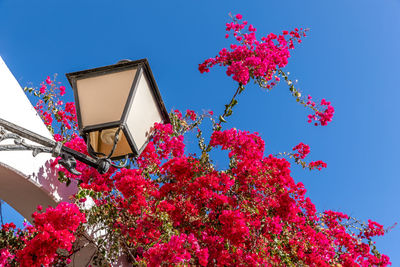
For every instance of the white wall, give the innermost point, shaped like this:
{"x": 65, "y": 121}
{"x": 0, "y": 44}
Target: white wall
{"x": 25, "y": 181}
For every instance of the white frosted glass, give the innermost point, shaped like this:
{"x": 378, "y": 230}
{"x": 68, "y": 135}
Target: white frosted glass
{"x": 143, "y": 114}
{"x": 103, "y": 98}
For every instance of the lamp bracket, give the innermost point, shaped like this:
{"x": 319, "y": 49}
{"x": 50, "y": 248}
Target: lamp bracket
{"x": 20, "y": 144}
{"x": 69, "y": 162}
{"x": 57, "y": 149}
{"x": 68, "y": 156}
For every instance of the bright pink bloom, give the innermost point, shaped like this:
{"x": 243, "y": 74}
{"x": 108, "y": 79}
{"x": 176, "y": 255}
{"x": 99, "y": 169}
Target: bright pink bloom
{"x": 303, "y": 150}
{"x": 42, "y": 89}
{"x": 319, "y": 164}
{"x": 191, "y": 114}
{"x": 62, "y": 90}
{"x": 58, "y": 137}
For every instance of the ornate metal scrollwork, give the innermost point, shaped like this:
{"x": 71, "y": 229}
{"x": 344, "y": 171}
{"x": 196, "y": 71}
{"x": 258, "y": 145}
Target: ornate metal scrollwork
{"x": 10, "y": 131}
{"x": 20, "y": 144}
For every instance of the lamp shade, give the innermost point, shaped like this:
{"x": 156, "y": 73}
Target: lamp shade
{"x": 121, "y": 98}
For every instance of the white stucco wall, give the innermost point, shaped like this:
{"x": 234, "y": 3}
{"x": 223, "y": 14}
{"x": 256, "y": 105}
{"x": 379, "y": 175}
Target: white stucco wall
{"x": 25, "y": 181}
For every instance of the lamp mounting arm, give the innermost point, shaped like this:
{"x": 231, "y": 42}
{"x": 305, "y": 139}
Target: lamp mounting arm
{"x": 68, "y": 156}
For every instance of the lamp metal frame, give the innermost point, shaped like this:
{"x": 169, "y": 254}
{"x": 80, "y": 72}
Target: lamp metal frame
{"x": 143, "y": 67}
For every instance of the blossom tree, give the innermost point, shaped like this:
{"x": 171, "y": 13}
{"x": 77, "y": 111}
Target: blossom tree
{"x": 175, "y": 207}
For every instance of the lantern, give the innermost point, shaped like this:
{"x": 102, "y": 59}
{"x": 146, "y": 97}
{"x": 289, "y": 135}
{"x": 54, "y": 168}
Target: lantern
{"x": 117, "y": 106}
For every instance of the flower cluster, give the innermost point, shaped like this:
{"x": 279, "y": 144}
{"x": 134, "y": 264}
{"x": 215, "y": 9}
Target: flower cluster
{"x": 350, "y": 251}
{"x": 303, "y": 150}
{"x": 53, "y": 230}
{"x": 373, "y": 229}
{"x": 241, "y": 143}
{"x": 252, "y": 58}
{"x": 191, "y": 114}
{"x": 59, "y": 117}
{"x": 178, "y": 250}
{"x": 321, "y": 117}
{"x": 5, "y": 257}
{"x": 319, "y": 164}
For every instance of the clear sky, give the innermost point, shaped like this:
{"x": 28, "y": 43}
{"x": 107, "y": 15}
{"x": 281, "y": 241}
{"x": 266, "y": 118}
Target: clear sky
{"x": 351, "y": 57}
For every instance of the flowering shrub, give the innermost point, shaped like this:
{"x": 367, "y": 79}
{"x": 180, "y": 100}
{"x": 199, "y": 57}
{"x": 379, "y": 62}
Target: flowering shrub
{"x": 54, "y": 230}
{"x": 177, "y": 208}
{"x": 41, "y": 244}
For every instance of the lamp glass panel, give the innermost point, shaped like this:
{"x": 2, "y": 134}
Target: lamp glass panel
{"x": 99, "y": 143}
{"x": 103, "y": 98}
{"x": 143, "y": 113}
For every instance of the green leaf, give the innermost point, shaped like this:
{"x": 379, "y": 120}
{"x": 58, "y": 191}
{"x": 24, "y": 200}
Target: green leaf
{"x": 222, "y": 119}
{"x": 61, "y": 174}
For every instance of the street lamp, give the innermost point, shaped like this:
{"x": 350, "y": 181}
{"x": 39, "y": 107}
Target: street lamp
{"x": 116, "y": 106}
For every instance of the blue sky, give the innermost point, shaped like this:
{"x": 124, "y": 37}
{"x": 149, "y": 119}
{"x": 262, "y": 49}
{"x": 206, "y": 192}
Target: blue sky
{"x": 350, "y": 58}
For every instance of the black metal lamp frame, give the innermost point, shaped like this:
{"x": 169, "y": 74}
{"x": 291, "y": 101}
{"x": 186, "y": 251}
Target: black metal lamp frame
{"x": 143, "y": 67}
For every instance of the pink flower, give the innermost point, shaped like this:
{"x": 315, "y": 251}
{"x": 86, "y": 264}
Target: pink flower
{"x": 178, "y": 114}
{"x": 42, "y": 89}
{"x": 58, "y": 137}
{"x": 303, "y": 150}
{"x": 319, "y": 164}
{"x": 238, "y": 16}
{"x": 5, "y": 255}
{"x": 62, "y": 90}
{"x": 191, "y": 114}
{"x": 252, "y": 29}
{"x": 48, "y": 80}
